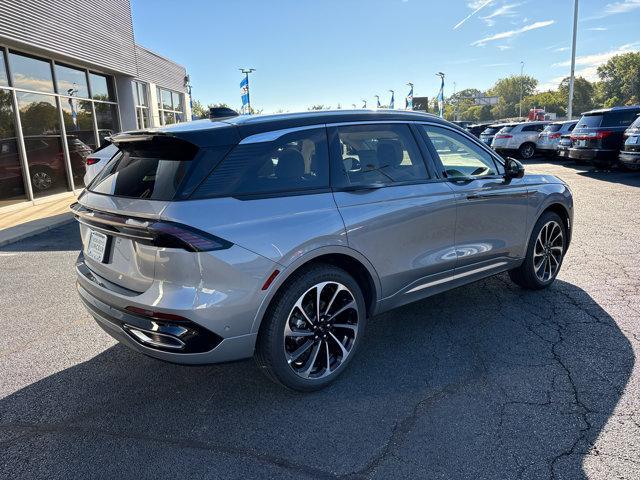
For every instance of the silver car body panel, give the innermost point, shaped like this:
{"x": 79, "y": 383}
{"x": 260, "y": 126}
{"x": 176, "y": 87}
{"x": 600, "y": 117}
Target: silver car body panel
{"x": 518, "y": 137}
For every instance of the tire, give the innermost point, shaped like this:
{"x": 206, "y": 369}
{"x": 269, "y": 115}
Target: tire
{"x": 546, "y": 255}
{"x": 42, "y": 179}
{"x": 527, "y": 151}
{"x": 327, "y": 345}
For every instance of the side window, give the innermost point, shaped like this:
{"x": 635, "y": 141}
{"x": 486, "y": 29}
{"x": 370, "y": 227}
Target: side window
{"x": 459, "y": 155}
{"x": 571, "y": 127}
{"x": 294, "y": 162}
{"x": 379, "y": 154}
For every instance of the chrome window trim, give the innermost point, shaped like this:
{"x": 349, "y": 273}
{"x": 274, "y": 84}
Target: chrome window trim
{"x": 272, "y": 135}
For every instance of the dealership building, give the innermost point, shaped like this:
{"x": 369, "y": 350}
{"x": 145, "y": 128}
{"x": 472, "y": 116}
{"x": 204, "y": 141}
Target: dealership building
{"x": 71, "y": 74}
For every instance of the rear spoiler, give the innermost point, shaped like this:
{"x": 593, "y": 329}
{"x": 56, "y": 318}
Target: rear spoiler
{"x": 141, "y": 136}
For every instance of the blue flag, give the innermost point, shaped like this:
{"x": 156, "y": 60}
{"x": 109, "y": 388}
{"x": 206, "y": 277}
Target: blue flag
{"x": 244, "y": 91}
{"x": 408, "y": 102}
{"x": 392, "y": 102}
{"x": 377, "y": 101}
{"x": 440, "y": 98}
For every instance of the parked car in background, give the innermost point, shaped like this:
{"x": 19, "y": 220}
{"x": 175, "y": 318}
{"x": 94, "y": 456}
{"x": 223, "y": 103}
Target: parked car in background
{"x": 97, "y": 160}
{"x": 197, "y": 247}
{"x": 630, "y": 154}
{"x": 489, "y": 132}
{"x": 599, "y": 135}
{"x": 549, "y": 138}
{"x": 477, "y": 128}
{"x": 518, "y": 138}
{"x": 564, "y": 144}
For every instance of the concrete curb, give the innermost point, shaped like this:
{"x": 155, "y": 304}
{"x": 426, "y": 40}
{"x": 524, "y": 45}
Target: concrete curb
{"x": 29, "y": 229}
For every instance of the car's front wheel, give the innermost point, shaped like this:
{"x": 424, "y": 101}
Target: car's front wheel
{"x": 313, "y": 328}
{"x": 545, "y": 253}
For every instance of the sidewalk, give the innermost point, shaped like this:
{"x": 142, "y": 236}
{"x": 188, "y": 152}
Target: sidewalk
{"x": 33, "y": 219}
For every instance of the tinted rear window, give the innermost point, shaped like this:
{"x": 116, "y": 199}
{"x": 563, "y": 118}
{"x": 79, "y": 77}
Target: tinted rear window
{"x": 151, "y": 170}
{"x": 636, "y": 123}
{"x": 490, "y": 130}
{"x": 296, "y": 162}
{"x": 552, "y": 128}
{"x": 619, "y": 119}
{"x": 590, "y": 121}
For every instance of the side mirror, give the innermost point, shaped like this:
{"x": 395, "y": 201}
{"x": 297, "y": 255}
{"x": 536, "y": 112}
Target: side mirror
{"x": 513, "y": 168}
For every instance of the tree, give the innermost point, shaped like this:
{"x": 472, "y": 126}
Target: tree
{"x": 509, "y": 90}
{"x": 551, "y": 101}
{"x": 583, "y": 94}
{"x": 198, "y": 110}
{"x": 318, "y": 107}
{"x": 620, "y": 78}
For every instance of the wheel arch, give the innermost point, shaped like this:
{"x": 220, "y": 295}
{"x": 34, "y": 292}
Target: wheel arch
{"x": 563, "y": 213}
{"x": 343, "y": 257}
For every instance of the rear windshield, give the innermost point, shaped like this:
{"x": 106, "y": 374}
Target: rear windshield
{"x": 151, "y": 169}
{"x": 554, "y": 127}
{"x": 636, "y": 123}
{"x": 590, "y": 121}
{"x": 490, "y": 130}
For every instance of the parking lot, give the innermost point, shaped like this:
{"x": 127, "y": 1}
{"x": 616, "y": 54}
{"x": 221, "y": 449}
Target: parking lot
{"x": 486, "y": 381}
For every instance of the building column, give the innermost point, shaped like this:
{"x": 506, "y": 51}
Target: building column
{"x": 126, "y": 103}
{"x": 187, "y": 107}
{"x": 153, "y": 108}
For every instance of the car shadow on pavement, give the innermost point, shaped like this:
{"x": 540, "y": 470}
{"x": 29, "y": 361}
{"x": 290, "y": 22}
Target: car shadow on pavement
{"x": 66, "y": 237}
{"x": 486, "y": 381}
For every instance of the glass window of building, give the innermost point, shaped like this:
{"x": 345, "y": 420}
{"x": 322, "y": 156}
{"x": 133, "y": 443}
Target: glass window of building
{"x": 41, "y": 128}
{"x": 107, "y": 120}
{"x": 81, "y": 137}
{"x": 4, "y": 79}
{"x": 170, "y": 106}
{"x": 31, "y": 73}
{"x": 11, "y": 180}
{"x": 101, "y": 87}
{"x": 71, "y": 81}
{"x": 142, "y": 104}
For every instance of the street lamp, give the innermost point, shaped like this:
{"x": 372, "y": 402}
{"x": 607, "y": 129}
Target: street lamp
{"x": 573, "y": 60}
{"x": 521, "y": 87}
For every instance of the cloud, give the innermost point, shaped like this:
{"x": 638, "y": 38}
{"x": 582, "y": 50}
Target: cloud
{"x": 598, "y": 29}
{"x": 502, "y": 48}
{"x": 477, "y": 6}
{"x": 590, "y": 63}
{"x": 621, "y": 7}
{"x": 512, "y": 33}
{"x": 506, "y": 10}
{"x": 562, "y": 49}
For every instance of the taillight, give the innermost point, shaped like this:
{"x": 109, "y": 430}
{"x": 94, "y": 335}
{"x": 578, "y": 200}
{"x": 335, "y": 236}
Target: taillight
{"x": 504, "y": 136}
{"x": 599, "y": 135}
{"x": 92, "y": 160}
{"x": 603, "y": 134}
{"x": 173, "y": 235}
{"x": 554, "y": 135}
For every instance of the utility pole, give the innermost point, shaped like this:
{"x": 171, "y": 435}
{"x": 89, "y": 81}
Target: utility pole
{"x": 246, "y": 72}
{"x": 573, "y": 60}
{"x": 521, "y": 87}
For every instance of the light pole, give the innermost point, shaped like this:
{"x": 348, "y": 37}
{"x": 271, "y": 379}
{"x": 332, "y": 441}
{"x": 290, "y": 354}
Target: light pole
{"x": 573, "y": 60}
{"x": 521, "y": 87}
{"x": 246, "y": 72}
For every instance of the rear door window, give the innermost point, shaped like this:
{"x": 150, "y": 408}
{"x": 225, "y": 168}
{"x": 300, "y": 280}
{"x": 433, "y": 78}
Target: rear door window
{"x": 293, "y": 163}
{"x": 619, "y": 118}
{"x": 379, "y": 154}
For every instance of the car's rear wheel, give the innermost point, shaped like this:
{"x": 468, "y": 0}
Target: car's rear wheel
{"x": 545, "y": 253}
{"x": 41, "y": 179}
{"x": 313, "y": 328}
{"x": 527, "y": 151}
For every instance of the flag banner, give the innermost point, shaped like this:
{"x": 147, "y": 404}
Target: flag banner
{"x": 441, "y": 99}
{"x": 408, "y": 102}
{"x": 74, "y": 112}
{"x": 244, "y": 91}
{"x": 392, "y": 101}
{"x": 377, "y": 101}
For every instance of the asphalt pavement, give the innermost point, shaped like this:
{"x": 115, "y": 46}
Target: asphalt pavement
{"x": 487, "y": 381}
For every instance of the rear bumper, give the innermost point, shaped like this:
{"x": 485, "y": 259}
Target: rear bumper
{"x": 593, "y": 154}
{"x": 630, "y": 158}
{"x": 119, "y": 324}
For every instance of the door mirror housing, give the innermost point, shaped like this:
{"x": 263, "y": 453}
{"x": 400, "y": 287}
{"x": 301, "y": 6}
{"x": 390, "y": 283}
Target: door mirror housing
{"x": 513, "y": 168}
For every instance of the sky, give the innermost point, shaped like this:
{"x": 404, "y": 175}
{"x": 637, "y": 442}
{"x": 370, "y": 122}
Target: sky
{"x": 341, "y": 52}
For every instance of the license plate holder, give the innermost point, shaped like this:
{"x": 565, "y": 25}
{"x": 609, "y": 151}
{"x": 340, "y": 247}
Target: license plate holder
{"x": 97, "y": 246}
{"x": 581, "y": 143}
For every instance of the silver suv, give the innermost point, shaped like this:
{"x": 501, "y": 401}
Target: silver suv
{"x": 518, "y": 138}
{"x": 279, "y": 236}
{"x": 549, "y": 138}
